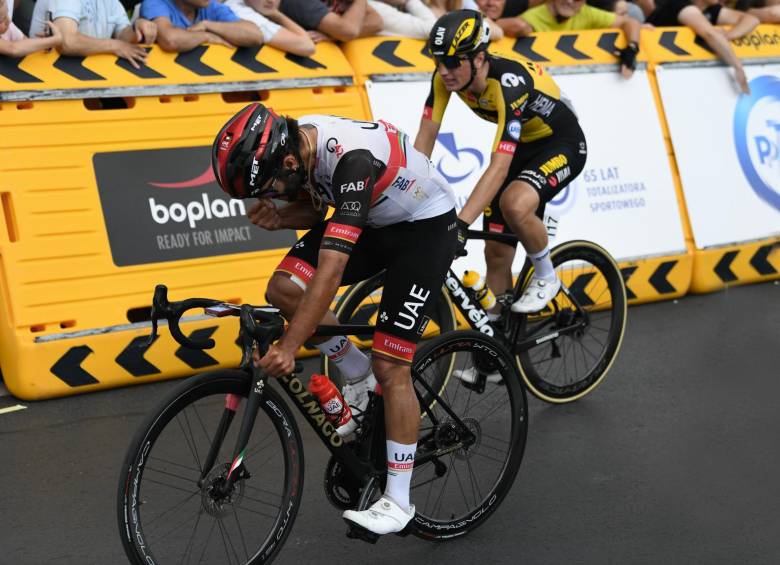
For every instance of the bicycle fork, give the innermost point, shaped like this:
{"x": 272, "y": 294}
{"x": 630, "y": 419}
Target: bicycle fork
{"x": 232, "y": 403}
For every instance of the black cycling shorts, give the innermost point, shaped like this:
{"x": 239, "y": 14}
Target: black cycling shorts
{"x": 416, "y": 256}
{"x": 548, "y": 164}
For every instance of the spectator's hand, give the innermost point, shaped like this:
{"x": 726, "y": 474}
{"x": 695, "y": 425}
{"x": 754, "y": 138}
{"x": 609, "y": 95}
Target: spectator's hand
{"x": 135, "y": 55}
{"x": 202, "y": 25}
{"x": 317, "y": 36}
{"x": 145, "y": 31}
{"x": 627, "y": 57}
{"x": 215, "y": 39}
{"x": 264, "y": 214}
{"x": 52, "y": 31}
{"x": 739, "y": 75}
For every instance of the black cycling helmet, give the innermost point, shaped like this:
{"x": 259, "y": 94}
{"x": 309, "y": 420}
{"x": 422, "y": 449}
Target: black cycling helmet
{"x": 458, "y": 35}
{"x": 248, "y": 152}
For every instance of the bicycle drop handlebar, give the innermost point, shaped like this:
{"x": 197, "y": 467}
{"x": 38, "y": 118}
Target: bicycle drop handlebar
{"x": 263, "y": 324}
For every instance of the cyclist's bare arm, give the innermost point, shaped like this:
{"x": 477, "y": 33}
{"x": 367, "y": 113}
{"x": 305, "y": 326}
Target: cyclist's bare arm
{"x": 300, "y": 214}
{"x": 316, "y": 299}
{"x": 486, "y": 187}
{"x": 426, "y": 136}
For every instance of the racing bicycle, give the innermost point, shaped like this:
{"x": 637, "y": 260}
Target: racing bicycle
{"x": 562, "y": 353}
{"x": 215, "y": 472}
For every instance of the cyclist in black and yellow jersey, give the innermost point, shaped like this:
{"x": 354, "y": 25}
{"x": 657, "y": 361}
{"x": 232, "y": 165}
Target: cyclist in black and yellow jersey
{"x": 538, "y": 149}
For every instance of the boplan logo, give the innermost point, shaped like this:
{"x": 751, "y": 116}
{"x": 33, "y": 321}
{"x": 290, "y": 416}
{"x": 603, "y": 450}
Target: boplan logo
{"x": 757, "y": 137}
{"x": 165, "y": 205}
{"x": 197, "y": 206}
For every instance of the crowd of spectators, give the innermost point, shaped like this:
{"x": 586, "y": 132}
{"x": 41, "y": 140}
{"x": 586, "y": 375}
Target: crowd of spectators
{"x": 122, "y": 28}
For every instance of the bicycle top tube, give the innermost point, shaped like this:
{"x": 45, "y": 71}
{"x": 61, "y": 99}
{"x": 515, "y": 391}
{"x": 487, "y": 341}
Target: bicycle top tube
{"x": 509, "y": 238}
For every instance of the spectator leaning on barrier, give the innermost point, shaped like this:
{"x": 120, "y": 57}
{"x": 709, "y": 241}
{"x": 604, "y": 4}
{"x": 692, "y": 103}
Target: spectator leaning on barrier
{"x": 441, "y": 7}
{"x": 767, "y": 11}
{"x": 341, "y": 20}
{"x": 14, "y": 43}
{"x": 278, "y": 30}
{"x": 568, "y": 15}
{"x": 89, "y": 27}
{"x": 621, "y": 7}
{"x": 184, "y": 24}
{"x": 404, "y": 18}
{"x": 702, "y": 16}
{"x": 511, "y": 26}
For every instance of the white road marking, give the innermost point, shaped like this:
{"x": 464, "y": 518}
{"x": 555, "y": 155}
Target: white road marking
{"x": 12, "y": 409}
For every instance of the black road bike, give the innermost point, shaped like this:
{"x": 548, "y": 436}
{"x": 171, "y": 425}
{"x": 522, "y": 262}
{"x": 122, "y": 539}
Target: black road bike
{"x": 215, "y": 472}
{"x": 562, "y": 353}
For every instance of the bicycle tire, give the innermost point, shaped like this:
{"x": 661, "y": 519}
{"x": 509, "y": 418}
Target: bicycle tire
{"x": 360, "y": 305}
{"x": 148, "y": 469}
{"x": 498, "y": 418}
{"x": 539, "y": 373}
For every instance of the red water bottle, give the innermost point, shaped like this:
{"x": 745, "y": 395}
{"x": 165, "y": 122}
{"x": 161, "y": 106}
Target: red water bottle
{"x": 336, "y": 410}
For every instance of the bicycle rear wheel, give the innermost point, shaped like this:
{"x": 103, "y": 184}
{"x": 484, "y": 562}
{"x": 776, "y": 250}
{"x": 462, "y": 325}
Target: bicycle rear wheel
{"x": 471, "y": 440}
{"x": 166, "y": 517}
{"x": 571, "y": 365}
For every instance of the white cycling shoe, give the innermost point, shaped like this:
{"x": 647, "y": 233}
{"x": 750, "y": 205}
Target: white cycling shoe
{"x": 382, "y": 517}
{"x": 469, "y": 376}
{"x": 537, "y": 295}
{"x": 356, "y": 394}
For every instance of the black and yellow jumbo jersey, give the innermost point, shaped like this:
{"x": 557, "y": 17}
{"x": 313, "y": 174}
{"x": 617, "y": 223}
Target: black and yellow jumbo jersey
{"x": 520, "y": 97}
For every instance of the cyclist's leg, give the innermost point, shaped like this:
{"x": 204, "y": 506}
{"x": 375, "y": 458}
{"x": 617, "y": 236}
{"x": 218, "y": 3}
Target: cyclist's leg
{"x": 551, "y": 168}
{"x": 498, "y": 255}
{"x": 289, "y": 281}
{"x": 417, "y": 256}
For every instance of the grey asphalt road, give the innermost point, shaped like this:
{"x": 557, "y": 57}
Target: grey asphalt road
{"x": 674, "y": 459}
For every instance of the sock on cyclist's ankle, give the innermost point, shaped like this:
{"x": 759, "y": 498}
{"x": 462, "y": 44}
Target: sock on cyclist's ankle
{"x": 352, "y": 363}
{"x": 400, "y": 464}
{"x": 542, "y": 263}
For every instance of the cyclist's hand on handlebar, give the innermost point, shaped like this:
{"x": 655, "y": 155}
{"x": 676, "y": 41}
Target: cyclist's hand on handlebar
{"x": 278, "y": 362}
{"x": 264, "y": 214}
{"x": 463, "y": 237}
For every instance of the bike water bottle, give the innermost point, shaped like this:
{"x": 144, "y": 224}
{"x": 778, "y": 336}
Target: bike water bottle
{"x": 336, "y": 410}
{"x": 485, "y": 296}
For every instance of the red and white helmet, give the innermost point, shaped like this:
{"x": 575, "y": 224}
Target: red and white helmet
{"x": 248, "y": 151}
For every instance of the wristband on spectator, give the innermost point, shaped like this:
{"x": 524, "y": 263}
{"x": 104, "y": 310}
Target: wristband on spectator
{"x": 628, "y": 55}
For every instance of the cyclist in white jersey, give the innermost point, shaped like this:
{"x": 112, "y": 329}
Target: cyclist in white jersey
{"x": 393, "y": 211}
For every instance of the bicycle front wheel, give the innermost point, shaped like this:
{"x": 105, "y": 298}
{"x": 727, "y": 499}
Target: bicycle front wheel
{"x": 567, "y": 367}
{"x": 167, "y": 514}
{"x": 472, "y": 437}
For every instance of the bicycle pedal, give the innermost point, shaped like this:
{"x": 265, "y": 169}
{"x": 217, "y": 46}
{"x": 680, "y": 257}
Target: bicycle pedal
{"x": 357, "y": 532}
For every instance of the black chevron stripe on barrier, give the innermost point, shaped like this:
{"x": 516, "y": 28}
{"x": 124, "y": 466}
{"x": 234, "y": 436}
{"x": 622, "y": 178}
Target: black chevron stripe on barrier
{"x": 385, "y": 51}
{"x": 723, "y": 267}
{"x": 668, "y": 42}
{"x": 9, "y": 68}
{"x": 577, "y": 288}
{"x": 627, "y": 272}
{"x": 759, "y": 261}
{"x": 74, "y": 66}
{"x": 525, "y": 46}
{"x": 305, "y": 62}
{"x": 190, "y": 60}
{"x": 425, "y": 51}
{"x": 68, "y": 367}
{"x": 132, "y": 360}
{"x": 565, "y": 45}
{"x": 658, "y": 279}
{"x": 607, "y": 42}
{"x": 196, "y": 358}
{"x": 143, "y": 72}
{"x": 247, "y": 58}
